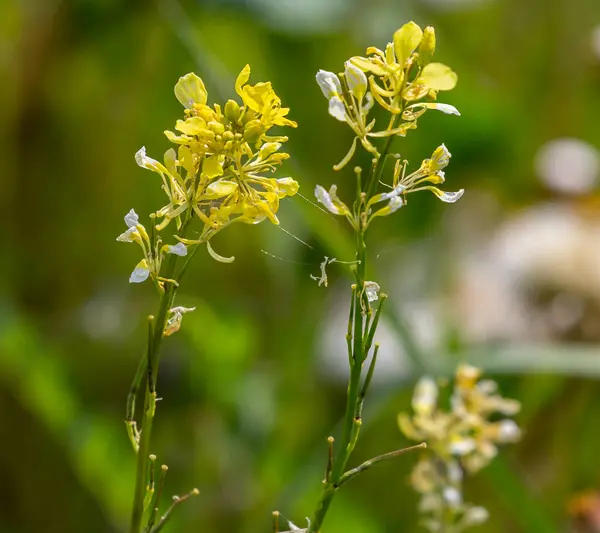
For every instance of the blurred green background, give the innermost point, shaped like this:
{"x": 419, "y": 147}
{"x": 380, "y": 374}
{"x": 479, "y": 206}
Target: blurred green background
{"x": 508, "y": 278}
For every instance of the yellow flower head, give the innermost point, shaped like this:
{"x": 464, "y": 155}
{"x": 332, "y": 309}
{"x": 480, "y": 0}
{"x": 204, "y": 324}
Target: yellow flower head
{"x": 398, "y": 78}
{"x": 217, "y": 171}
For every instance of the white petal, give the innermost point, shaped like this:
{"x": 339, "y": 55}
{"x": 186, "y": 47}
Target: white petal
{"x": 425, "y": 396}
{"x": 508, "y": 431}
{"x": 132, "y": 219}
{"x": 452, "y": 496}
{"x": 143, "y": 160}
{"x": 180, "y": 309}
{"x": 394, "y": 204}
{"x": 463, "y": 446}
{"x": 399, "y": 189}
{"x": 139, "y": 274}
{"x": 329, "y": 83}
{"x": 440, "y": 157}
{"x": 446, "y": 108}
{"x": 324, "y": 197}
{"x": 475, "y": 516}
{"x": 178, "y": 249}
{"x": 450, "y": 197}
{"x": 127, "y": 236}
{"x": 337, "y": 109}
{"x": 368, "y": 102}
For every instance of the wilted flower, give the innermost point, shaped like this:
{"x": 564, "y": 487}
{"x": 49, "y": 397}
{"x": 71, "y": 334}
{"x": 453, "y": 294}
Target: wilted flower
{"x": 174, "y": 322}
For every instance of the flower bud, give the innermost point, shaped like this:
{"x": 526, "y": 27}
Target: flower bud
{"x": 216, "y": 127}
{"x": 427, "y": 46}
{"x": 232, "y": 110}
{"x": 356, "y": 79}
{"x": 253, "y": 131}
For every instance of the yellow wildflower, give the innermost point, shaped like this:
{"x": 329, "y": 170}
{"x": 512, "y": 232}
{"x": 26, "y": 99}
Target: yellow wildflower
{"x": 399, "y": 78}
{"x": 218, "y": 169}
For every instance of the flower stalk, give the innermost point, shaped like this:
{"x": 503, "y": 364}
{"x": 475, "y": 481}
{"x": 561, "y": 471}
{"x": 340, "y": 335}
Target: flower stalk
{"x": 405, "y": 83}
{"x": 217, "y": 176}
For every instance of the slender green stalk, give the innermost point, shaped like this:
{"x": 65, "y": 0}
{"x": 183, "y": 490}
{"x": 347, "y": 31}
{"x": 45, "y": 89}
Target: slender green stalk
{"x": 176, "y": 501}
{"x": 359, "y": 339}
{"x": 149, "y": 405}
{"x": 151, "y": 359}
{"x": 371, "y": 462}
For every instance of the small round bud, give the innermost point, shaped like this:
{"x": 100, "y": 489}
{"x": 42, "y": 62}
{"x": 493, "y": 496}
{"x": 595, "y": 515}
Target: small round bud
{"x": 232, "y": 110}
{"x": 216, "y": 127}
{"x": 227, "y": 135}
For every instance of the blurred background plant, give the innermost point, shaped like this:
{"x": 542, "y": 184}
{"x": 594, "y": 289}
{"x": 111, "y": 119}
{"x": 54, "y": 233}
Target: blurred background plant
{"x": 519, "y": 293}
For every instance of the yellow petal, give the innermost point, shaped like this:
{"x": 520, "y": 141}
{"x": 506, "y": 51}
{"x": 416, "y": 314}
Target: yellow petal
{"x": 406, "y": 40}
{"x": 177, "y": 139}
{"x": 219, "y": 189}
{"x": 258, "y": 96}
{"x": 438, "y": 76}
{"x": 212, "y": 167}
{"x": 241, "y": 80}
{"x": 372, "y": 50}
{"x": 282, "y": 121}
{"x": 191, "y": 126}
{"x": 368, "y": 65}
{"x": 287, "y": 187}
{"x": 186, "y": 160}
{"x": 190, "y": 90}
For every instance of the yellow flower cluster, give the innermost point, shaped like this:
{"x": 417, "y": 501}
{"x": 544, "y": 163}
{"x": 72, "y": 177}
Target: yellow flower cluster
{"x": 399, "y": 79}
{"x": 218, "y": 170}
{"x": 460, "y": 439}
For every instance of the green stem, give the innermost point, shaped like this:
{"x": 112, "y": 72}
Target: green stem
{"x": 357, "y": 351}
{"x": 150, "y": 404}
{"x": 371, "y": 462}
{"x": 152, "y": 362}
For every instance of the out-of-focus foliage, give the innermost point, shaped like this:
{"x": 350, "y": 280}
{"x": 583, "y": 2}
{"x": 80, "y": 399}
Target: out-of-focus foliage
{"x": 509, "y": 278}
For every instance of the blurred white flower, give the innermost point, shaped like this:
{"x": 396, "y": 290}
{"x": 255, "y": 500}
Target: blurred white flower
{"x": 568, "y": 165}
{"x": 595, "y": 41}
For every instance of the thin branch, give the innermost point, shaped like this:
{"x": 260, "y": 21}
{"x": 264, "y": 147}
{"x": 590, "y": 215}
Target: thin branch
{"x": 371, "y": 462}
